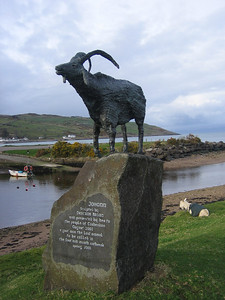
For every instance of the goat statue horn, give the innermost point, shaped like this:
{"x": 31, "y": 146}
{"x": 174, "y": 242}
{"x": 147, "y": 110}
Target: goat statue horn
{"x": 89, "y": 69}
{"x": 98, "y": 52}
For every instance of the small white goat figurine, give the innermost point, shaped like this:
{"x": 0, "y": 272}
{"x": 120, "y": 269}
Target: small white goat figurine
{"x": 194, "y": 209}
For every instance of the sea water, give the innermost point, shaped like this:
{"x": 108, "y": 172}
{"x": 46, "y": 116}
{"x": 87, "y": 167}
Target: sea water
{"x": 210, "y": 137}
{"x": 23, "y": 201}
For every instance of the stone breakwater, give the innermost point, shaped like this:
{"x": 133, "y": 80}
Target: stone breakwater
{"x": 167, "y": 152}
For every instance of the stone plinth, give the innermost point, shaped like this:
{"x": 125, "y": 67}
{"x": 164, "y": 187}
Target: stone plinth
{"x": 104, "y": 231}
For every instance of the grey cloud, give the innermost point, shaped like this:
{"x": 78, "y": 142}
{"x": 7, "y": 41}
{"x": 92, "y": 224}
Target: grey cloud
{"x": 173, "y": 52}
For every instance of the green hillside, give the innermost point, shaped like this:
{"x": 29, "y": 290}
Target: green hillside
{"x": 34, "y": 126}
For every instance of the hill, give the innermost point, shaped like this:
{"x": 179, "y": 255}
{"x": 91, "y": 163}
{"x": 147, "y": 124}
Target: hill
{"x": 34, "y": 126}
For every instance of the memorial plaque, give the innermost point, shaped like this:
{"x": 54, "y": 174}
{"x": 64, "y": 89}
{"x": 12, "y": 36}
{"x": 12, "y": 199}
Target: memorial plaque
{"x": 83, "y": 234}
{"x": 104, "y": 231}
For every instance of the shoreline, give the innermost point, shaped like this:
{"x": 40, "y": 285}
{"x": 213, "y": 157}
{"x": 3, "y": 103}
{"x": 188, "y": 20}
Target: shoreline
{"x": 195, "y": 160}
{"x": 27, "y": 236}
{"x": 33, "y": 235}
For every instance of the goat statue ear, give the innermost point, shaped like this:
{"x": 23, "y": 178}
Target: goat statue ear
{"x": 86, "y": 77}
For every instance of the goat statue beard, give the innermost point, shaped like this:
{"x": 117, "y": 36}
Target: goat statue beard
{"x": 64, "y": 79}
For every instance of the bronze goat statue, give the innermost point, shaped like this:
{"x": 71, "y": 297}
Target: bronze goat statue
{"x": 110, "y": 101}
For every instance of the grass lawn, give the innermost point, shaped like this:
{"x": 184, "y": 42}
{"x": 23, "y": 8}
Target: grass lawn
{"x": 30, "y": 152}
{"x": 190, "y": 264}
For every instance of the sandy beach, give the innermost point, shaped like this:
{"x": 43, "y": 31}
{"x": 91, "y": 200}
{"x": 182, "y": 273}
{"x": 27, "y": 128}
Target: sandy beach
{"x": 19, "y": 238}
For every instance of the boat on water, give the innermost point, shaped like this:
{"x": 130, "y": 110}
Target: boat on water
{"x": 27, "y": 172}
{"x": 17, "y": 173}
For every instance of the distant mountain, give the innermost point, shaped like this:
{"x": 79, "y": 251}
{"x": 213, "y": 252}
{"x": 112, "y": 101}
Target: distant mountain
{"x": 34, "y": 126}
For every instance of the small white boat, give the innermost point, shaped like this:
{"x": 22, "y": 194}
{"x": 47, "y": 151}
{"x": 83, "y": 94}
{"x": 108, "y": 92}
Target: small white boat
{"x": 18, "y": 173}
{"x": 27, "y": 172}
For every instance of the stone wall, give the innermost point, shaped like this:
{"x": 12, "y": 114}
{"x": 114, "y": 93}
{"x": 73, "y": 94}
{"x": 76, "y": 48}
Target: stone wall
{"x": 167, "y": 152}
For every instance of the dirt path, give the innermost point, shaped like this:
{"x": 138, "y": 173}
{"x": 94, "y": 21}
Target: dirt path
{"x": 28, "y": 147}
{"x": 6, "y": 160}
{"x": 24, "y": 159}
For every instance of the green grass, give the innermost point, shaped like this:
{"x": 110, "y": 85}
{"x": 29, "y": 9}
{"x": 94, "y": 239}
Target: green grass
{"x": 190, "y": 264}
{"x": 30, "y": 152}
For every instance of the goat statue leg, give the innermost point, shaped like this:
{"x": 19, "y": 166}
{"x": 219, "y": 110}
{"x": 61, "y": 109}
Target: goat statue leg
{"x": 140, "y": 137}
{"x": 111, "y": 131}
{"x": 96, "y": 132}
{"x": 125, "y": 143}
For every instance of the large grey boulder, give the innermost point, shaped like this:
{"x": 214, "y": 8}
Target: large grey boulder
{"x": 104, "y": 231}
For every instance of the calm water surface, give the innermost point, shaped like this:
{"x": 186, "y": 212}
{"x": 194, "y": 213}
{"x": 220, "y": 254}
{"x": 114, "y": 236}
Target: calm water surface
{"x": 193, "y": 178}
{"x": 23, "y": 201}
{"x": 210, "y": 137}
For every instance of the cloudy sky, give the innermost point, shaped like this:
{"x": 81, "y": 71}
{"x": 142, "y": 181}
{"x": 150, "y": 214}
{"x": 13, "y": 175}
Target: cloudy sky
{"x": 175, "y": 50}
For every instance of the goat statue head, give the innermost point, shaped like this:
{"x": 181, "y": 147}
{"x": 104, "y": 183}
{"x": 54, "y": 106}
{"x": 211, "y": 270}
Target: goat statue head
{"x": 75, "y": 66}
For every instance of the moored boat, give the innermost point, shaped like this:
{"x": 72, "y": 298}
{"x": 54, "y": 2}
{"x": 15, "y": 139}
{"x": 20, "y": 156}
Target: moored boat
{"x": 27, "y": 172}
{"x": 17, "y": 173}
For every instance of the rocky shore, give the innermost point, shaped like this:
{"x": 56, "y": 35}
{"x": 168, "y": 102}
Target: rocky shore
{"x": 175, "y": 149}
{"x": 19, "y": 238}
